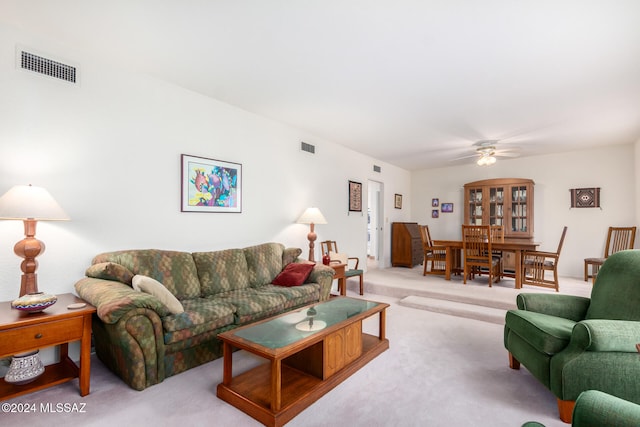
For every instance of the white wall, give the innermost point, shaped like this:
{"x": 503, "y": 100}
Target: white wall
{"x": 109, "y": 150}
{"x": 611, "y": 169}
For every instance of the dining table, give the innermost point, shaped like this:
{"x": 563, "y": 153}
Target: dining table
{"x": 516, "y": 246}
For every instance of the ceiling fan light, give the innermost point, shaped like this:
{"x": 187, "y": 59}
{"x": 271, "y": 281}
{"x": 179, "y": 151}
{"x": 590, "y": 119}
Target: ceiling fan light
{"x": 486, "y": 160}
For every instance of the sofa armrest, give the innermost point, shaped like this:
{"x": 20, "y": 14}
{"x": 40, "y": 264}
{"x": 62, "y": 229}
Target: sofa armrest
{"x": 596, "y": 409}
{"x": 567, "y": 306}
{"x": 114, "y": 299}
{"x": 606, "y": 335}
{"x": 322, "y": 275}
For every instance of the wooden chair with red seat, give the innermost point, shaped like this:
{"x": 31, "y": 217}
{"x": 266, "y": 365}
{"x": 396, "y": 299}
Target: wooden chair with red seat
{"x": 618, "y": 239}
{"x": 330, "y": 247}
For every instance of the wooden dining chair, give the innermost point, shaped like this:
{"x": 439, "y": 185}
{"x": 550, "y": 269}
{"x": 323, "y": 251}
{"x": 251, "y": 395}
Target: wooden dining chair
{"x": 497, "y": 235}
{"x": 618, "y": 239}
{"x": 330, "y": 247}
{"x": 434, "y": 255}
{"x": 535, "y": 265}
{"x": 477, "y": 253}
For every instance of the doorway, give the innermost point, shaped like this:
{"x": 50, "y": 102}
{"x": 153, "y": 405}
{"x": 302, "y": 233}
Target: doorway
{"x": 375, "y": 215}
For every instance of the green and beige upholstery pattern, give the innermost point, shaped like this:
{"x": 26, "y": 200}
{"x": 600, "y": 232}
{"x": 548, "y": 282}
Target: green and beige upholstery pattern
{"x": 142, "y": 342}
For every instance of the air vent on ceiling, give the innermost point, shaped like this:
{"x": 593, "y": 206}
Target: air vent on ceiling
{"x": 308, "y": 147}
{"x": 39, "y": 64}
{"x": 377, "y": 168}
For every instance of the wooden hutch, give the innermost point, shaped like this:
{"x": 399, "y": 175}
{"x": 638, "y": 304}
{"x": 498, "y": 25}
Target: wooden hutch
{"x": 501, "y": 201}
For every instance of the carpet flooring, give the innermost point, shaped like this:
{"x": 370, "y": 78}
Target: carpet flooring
{"x": 440, "y": 370}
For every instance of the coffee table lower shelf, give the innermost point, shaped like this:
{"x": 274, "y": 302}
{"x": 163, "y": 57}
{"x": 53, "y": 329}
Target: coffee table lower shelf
{"x": 251, "y": 391}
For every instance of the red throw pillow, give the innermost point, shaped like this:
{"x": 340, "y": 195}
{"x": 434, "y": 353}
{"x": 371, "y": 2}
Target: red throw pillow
{"x": 294, "y": 274}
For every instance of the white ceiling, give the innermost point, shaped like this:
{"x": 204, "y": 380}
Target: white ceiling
{"x": 411, "y": 82}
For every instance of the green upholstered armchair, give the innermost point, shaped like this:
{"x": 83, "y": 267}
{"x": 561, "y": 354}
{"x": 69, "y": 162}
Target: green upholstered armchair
{"x": 597, "y": 409}
{"x": 572, "y": 344}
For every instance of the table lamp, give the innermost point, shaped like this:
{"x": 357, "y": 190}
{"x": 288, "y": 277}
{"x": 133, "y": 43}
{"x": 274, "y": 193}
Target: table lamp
{"x": 30, "y": 204}
{"x": 312, "y": 216}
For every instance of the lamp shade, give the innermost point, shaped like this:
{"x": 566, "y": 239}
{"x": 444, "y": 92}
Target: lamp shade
{"x": 29, "y": 202}
{"x": 312, "y": 216}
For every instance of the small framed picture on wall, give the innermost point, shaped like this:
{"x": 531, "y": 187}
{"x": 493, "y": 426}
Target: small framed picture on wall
{"x": 447, "y": 207}
{"x": 435, "y": 203}
{"x": 435, "y": 213}
{"x": 398, "y": 201}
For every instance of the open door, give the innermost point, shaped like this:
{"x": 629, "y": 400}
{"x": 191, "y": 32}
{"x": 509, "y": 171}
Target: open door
{"x": 375, "y": 214}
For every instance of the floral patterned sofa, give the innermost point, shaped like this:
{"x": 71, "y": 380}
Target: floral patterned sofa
{"x": 142, "y": 340}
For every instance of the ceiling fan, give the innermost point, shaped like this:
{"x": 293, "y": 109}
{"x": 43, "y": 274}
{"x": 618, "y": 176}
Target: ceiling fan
{"x": 487, "y": 152}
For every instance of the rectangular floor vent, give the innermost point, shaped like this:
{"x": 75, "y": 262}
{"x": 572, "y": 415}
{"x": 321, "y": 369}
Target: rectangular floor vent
{"x": 48, "y": 67}
{"x": 377, "y": 168}
{"x": 308, "y": 147}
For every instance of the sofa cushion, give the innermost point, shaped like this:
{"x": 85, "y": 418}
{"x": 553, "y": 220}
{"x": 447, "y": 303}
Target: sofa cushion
{"x": 151, "y": 286}
{"x": 251, "y": 304}
{"x": 547, "y": 334}
{"x": 200, "y": 315}
{"x": 221, "y": 271}
{"x": 175, "y": 270}
{"x": 295, "y": 296}
{"x": 110, "y": 271}
{"x": 264, "y": 262}
{"x": 294, "y": 274}
{"x": 290, "y": 255}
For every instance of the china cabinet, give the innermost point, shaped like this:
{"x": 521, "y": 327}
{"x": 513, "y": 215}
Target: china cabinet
{"x": 501, "y": 201}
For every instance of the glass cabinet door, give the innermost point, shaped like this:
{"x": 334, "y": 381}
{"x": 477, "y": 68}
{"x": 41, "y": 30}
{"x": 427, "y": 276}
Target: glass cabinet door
{"x": 519, "y": 209}
{"x": 496, "y": 206}
{"x": 475, "y": 206}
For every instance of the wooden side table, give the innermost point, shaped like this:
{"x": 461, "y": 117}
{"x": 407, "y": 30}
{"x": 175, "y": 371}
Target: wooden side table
{"x": 57, "y": 325}
{"x": 339, "y": 270}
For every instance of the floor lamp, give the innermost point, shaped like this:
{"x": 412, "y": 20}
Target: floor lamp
{"x": 29, "y": 204}
{"x": 312, "y": 216}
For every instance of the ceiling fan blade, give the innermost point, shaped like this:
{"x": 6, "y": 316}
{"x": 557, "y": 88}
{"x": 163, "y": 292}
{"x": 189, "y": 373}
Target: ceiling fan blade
{"x": 469, "y": 156}
{"x": 507, "y": 154}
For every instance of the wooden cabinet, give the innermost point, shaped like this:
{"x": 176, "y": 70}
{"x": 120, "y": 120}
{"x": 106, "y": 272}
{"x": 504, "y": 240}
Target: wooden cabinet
{"x": 341, "y": 348}
{"x": 406, "y": 244}
{"x": 502, "y": 201}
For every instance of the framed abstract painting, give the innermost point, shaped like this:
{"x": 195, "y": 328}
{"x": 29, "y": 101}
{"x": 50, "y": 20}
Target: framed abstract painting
{"x": 210, "y": 185}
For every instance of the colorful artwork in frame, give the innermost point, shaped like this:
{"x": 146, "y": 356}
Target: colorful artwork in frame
{"x": 210, "y": 185}
{"x": 447, "y": 207}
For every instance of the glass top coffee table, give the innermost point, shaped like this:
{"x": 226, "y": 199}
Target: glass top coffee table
{"x": 309, "y": 351}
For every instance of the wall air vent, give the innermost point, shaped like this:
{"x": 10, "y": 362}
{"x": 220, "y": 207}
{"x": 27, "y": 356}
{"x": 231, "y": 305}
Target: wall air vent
{"x": 377, "y": 168}
{"x": 41, "y": 65}
{"x": 308, "y": 147}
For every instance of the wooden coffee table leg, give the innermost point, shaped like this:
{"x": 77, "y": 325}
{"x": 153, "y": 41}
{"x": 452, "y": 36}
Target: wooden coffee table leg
{"x": 227, "y": 367}
{"x": 276, "y": 385}
{"x": 383, "y": 324}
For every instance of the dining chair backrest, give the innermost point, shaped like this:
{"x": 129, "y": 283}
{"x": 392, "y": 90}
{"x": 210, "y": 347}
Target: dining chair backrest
{"x": 425, "y": 235}
{"x": 476, "y": 241}
{"x": 564, "y": 232}
{"x": 619, "y": 239}
{"x": 497, "y": 233}
{"x": 328, "y": 246}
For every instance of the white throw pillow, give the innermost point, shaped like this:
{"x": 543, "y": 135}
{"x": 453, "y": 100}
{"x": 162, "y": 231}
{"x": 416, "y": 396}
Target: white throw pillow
{"x": 151, "y": 286}
{"x": 335, "y": 256}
